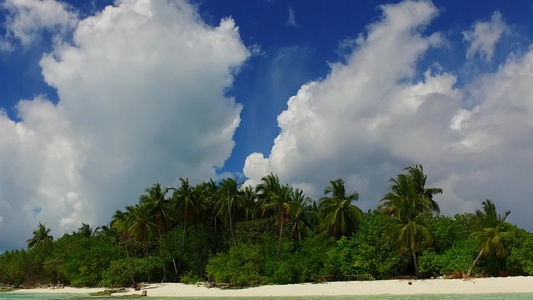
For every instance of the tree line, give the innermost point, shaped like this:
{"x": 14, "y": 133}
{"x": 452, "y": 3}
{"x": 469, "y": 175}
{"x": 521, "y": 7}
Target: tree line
{"x": 274, "y": 234}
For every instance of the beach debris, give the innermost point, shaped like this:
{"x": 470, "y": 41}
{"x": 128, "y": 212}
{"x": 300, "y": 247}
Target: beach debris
{"x": 108, "y": 292}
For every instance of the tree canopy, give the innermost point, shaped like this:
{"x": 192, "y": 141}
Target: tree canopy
{"x": 274, "y": 233}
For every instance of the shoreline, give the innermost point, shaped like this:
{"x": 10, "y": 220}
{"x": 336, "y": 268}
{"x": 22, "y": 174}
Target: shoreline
{"x": 496, "y": 285}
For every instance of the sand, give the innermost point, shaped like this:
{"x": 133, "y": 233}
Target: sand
{"x": 505, "y": 285}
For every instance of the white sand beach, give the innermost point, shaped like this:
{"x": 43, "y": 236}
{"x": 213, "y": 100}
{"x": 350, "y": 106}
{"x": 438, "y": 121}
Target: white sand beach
{"x": 354, "y": 288}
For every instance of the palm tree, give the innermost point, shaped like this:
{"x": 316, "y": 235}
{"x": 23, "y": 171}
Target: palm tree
{"x": 209, "y": 196}
{"x": 268, "y": 187}
{"x": 300, "y": 214}
{"x": 86, "y": 230}
{"x": 105, "y": 231}
{"x": 122, "y": 228}
{"x": 408, "y": 204}
{"x": 142, "y": 228}
{"x": 340, "y": 217}
{"x": 248, "y": 201}
{"x": 187, "y": 205}
{"x": 162, "y": 211}
{"x": 227, "y": 205}
{"x": 419, "y": 179}
{"x": 410, "y": 235}
{"x": 279, "y": 202}
{"x": 40, "y": 236}
{"x": 410, "y": 185}
{"x": 490, "y": 237}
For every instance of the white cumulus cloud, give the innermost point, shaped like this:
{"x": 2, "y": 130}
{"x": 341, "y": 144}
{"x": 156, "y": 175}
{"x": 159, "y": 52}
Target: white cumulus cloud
{"x": 369, "y": 118}
{"x": 141, "y": 100}
{"x": 27, "y": 17}
{"x": 483, "y": 36}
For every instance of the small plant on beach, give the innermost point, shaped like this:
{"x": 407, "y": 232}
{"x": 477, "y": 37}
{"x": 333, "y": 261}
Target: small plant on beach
{"x": 190, "y": 278}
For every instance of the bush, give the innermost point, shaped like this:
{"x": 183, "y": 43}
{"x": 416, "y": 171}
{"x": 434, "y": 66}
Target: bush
{"x": 366, "y": 253}
{"x": 458, "y": 258}
{"x": 190, "y": 278}
{"x": 12, "y": 264}
{"x": 241, "y": 266}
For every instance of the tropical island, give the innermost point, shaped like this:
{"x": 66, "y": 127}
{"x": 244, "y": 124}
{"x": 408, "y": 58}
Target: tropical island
{"x": 223, "y": 234}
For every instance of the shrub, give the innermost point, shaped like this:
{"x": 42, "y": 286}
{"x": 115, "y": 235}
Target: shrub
{"x": 190, "y": 278}
{"x": 241, "y": 266}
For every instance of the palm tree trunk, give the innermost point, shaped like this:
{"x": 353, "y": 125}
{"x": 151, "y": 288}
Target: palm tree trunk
{"x": 215, "y": 219}
{"x": 129, "y": 266}
{"x": 415, "y": 261}
{"x": 162, "y": 252}
{"x": 182, "y": 244}
{"x": 175, "y": 269}
{"x": 147, "y": 263}
{"x": 231, "y": 229}
{"x": 280, "y": 235}
{"x": 183, "y": 235}
{"x": 474, "y": 263}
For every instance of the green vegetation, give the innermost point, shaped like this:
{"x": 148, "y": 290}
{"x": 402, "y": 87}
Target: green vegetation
{"x": 273, "y": 234}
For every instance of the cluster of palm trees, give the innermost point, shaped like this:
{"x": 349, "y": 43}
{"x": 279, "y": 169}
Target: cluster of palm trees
{"x": 228, "y": 202}
{"x": 407, "y": 207}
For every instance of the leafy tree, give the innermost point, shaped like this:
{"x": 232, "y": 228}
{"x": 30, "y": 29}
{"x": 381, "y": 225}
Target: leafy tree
{"x": 258, "y": 231}
{"x": 309, "y": 260}
{"x": 456, "y": 258}
{"x": 519, "y": 258}
{"x": 452, "y": 246}
{"x": 446, "y": 231}
{"x": 490, "y": 236}
{"x": 365, "y": 252}
{"x": 41, "y": 235}
{"x": 241, "y": 266}
{"x": 340, "y": 217}
{"x": 13, "y": 264}
{"x": 408, "y": 205}
{"x": 81, "y": 260}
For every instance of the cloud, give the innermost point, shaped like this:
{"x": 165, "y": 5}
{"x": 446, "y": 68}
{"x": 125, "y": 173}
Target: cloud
{"x": 369, "y": 118}
{"x": 291, "y": 21}
{"x": 484, "y": 35}
{"x": 27, "y": 17}
{"x": 141, "y": 100}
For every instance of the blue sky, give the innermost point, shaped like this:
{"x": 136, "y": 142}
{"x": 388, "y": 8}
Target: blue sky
{"x": 101, "y": 99}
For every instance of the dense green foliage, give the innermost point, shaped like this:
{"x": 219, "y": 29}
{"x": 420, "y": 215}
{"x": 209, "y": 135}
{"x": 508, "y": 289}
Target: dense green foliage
{"x": 273, "y": 234}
